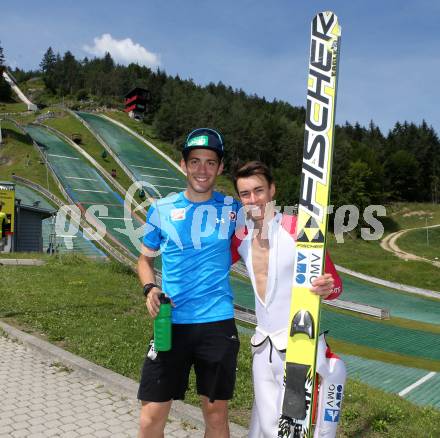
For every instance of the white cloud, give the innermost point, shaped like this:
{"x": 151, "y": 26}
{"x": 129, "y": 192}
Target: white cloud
{"x": 123, "y": 51}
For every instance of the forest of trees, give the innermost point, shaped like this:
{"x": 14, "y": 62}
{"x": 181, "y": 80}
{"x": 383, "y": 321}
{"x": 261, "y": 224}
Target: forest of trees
{"x": 5, "y": 90}
{"x": 369, "y": 166}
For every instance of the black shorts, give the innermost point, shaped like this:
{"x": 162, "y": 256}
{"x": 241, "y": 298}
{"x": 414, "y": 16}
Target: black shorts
{"x": 211, "y": 347}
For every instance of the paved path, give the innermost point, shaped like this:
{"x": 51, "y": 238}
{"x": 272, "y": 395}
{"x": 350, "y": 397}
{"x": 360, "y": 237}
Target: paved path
{"x": 388, "y": 243}
{"x": 43, "y": 397}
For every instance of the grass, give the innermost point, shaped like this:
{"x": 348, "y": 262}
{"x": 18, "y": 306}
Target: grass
{"x": 368, "y": 412}
{"x": 12, "y": 107}
{"x": 423, "y": 242}
{"x": 414, "y": 215}
{"x": 33, "y": 85}
{"x": 25, "y": 118}
{"x": 96, "y": 310}
{"x": 24, "y": 255}
{"x": 19, "y": 156}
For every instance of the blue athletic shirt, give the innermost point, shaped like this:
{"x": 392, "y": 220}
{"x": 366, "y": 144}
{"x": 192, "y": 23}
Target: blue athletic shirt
{"x": 194, "y": 240}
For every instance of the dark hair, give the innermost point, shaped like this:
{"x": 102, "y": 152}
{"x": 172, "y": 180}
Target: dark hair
{"x": 252, "y": 168}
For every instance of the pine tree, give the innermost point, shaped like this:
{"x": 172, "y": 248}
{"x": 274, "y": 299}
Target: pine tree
{"x": 5, "y": 89}
{"x": 2, "y": 56}
{"x": 48, "y": 62}
{"x": 108, "y": 63}
{"x": 70, "y": 68}
{"x": 48, "y": 66}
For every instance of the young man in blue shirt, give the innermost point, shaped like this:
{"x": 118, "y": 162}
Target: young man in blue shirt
{"x": 193, "y": 231}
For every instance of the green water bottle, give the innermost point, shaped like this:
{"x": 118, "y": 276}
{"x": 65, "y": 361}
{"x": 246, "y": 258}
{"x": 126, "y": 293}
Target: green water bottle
{"x": 162, "y": 325}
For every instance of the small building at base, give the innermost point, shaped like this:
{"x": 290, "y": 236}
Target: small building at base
{"x": 29, "y": 230}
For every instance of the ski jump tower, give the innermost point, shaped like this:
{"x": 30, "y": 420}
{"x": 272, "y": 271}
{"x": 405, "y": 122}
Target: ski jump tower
{"x": 13, "y": 83}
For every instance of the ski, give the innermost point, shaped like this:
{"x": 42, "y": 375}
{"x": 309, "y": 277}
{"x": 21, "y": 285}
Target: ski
{"x": 303, "y": 333}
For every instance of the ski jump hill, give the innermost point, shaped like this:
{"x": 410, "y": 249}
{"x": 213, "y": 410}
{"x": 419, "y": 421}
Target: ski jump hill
{"x": 13, "y": 83}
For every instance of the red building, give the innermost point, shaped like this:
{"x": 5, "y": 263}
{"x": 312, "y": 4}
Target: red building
{"x": 136, "y": 102}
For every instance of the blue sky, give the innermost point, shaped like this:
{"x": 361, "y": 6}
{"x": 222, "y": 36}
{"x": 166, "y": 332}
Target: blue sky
{"x": 389, "y": 68}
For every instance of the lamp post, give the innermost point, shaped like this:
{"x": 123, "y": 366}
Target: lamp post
{"x": 427, "y": 229}
{"x": 47, "y": 170}
{"x": 427, "y": 233}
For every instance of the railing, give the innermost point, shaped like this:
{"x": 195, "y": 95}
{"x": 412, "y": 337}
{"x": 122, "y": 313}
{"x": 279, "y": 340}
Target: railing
{"x": 365, "y": 309}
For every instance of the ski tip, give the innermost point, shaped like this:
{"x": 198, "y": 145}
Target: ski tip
{"x": 329, "y": 23}
{"x": 328, "y": 14}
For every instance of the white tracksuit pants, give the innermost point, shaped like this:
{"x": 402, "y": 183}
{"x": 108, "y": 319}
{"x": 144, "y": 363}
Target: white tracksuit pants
{"x": 268, "y": 376}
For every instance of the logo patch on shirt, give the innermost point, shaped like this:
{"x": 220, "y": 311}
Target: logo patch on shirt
{"x": 178, "y": 214}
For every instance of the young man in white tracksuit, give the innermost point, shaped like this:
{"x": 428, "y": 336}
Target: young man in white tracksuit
{"x": 266, "y": 244}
